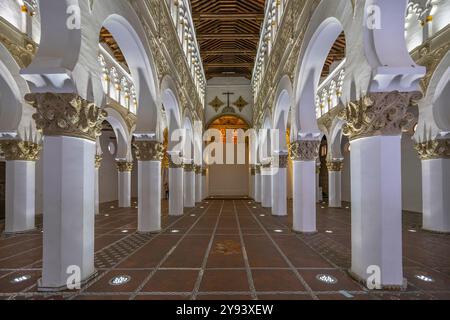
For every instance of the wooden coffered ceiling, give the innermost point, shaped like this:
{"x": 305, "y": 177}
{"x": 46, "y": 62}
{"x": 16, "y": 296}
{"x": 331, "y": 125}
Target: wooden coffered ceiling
{"x": 337, "y": 53}
{"x": 107, "y": 38}
{"x": 228, "y": 33}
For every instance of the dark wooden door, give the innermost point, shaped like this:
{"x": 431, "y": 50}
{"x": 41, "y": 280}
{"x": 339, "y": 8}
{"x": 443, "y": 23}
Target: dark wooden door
{"x": 2, "y": 189}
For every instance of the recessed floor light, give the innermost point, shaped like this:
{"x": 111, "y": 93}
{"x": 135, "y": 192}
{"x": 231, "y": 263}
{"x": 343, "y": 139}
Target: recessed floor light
{"x": 202, "y": 207}
{"x": 323, "y": 207}
{"x": 193, "y": 215}
{"x": 21, "y": 279}
{"x": 255, "y": 208}
{"x": 329, "y": 231}
{"x": 119, "y": 280}
{"x": 325, "y": 278}
{"x": 112, "y": 207}
{"x": 124, "y": 231}
{"x": 424, "y": 278}
{"x": 262, "y": 215}
{"x": 175, "y": 231}
{"x": 412, "y": 230}
{"x": 249, "y": 202}
{"x": 347, "y": 207}
{"x": 278, "y": 231}
{"x": 106, "y": 215}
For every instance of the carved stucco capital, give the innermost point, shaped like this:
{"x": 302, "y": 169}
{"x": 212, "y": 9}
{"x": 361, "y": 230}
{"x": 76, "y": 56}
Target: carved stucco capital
{"x": 189, "y": 166}
{"x": 124, "y": 166}
{"x": 18, "y": 150}
{"x": 335, "y": 165}
{"x": 281, "y": 161}
{"x": 149, "y": 150}
{"x": 434, "y": 149}
{"x": 66, "y": 114}
{"x": 382, "y": 113}
{"x": 304, "y": 150}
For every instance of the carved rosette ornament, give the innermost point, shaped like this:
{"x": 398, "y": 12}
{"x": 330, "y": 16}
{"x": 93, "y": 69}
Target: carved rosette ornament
{"x": 98, "y": 161}
{"x": 304, "y": 150}
{"x": 66, "y": 114}
{"x": 149, "y": 150}
{"x": 204, "y": 172}
{"x": 382, "y": 113}
{"x": 335, "y": 166}
{"x": 124, "y": 166}
{"x": 17, "y": 150}
{"x": 434, "y": 149}
{"x": 198, "y": 169}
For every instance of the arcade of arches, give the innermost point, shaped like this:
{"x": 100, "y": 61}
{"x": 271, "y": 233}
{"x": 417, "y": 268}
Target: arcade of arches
{"x": 107, "y": 189}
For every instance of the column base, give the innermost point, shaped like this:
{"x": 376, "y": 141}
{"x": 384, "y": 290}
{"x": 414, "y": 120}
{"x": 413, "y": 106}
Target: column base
{"x": 14, "y": 233}
{"x": 64, "y": 288}
{"x": 149, "y": 233}
{"x": 306, "y": 233}
{"x": 436, "y": 232}
{"x": 384, "y": 287}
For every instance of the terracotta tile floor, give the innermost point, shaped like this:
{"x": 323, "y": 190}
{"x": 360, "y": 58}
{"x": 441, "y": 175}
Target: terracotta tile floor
{"x": 227, "y": 249}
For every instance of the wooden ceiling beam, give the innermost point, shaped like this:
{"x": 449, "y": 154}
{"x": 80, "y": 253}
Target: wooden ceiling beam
{"x": 228, "y": 52}
{"x": 228, "y": 36}
{"x": 228, "y": 17}
{"x": 228, "y": 65}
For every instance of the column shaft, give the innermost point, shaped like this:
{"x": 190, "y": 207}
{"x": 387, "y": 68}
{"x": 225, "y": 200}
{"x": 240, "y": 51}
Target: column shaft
{"x": 279, "y": 192}
{"x": 149, "y": 193}
{"x": 377, "y": 208}
{"x": 266, "y": 177}
{"x": 436, "y": 195}
{"x": 20, "y": 196}
{"x": 97, "y": 192}
{"x": 176, "y": 194}
{"x": 304, "y": 202}
{"x": 68, "y": 210}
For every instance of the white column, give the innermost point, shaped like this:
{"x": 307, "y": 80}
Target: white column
{"x": 258, "y": 187}
{"x": 69, "y": 175}
{"x": 319, "y": 196}
{"x": 266, "y": 178}
{"x": 251, "y": 183}
{"x": 204, "y": 183}
{"x": 374, "y": 127}
{"x": 376, "y": 185}
{"x": 176, "y": 186}
{"x": 198, "y": 184}
{"x": 98, "y": 161}
{"x": 20, "y": 186}
{"x": 189, "y": 185}
{"x": 149, "y": 155}
{"x": 436, "y": 194}
{"x": 124, "y": 183}
{"x": 279, "y": 187}
{"x": 334, "y": 183}
{"x": 304, "y": 155}
{"x": 68, "y": 187}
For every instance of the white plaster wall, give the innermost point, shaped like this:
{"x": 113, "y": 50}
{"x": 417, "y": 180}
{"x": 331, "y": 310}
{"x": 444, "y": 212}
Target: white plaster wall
{"x": 229, "y": 179}
{"x": 411, "y": 176}
{"x": 240, "y": 87}
{"x": 10, "y": 11}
